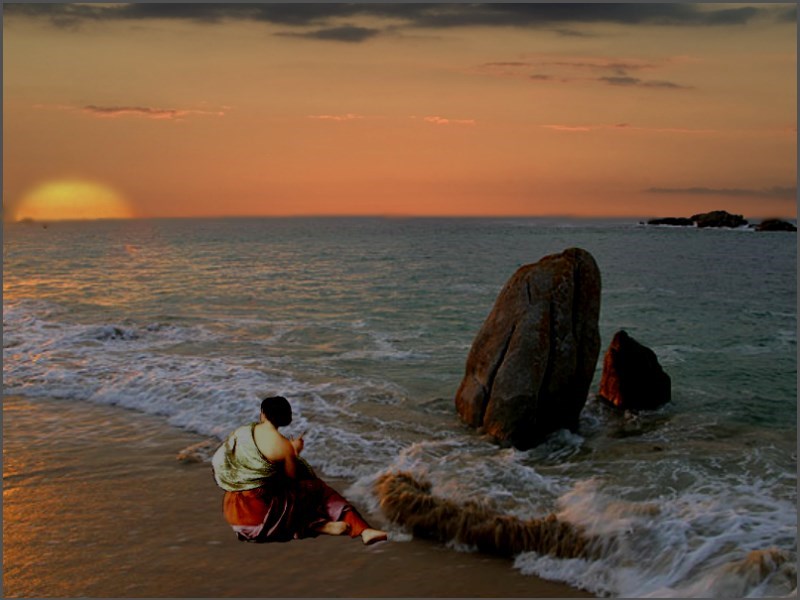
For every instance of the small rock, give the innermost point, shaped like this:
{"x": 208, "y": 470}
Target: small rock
{"x": 632, "y": 377}
{"x": 775, "y": 225}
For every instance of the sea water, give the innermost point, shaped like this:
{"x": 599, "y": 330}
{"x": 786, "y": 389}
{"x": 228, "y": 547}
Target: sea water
{"x": 365, "y": 325}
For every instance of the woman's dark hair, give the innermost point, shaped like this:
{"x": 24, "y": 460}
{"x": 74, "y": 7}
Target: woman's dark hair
{"x": 277, "y": 410}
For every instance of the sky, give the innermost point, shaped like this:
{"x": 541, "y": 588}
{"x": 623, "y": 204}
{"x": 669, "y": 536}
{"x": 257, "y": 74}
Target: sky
{"x": 176, "y": 110}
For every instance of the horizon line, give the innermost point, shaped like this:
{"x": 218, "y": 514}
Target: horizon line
{"x": 28, "y": 220}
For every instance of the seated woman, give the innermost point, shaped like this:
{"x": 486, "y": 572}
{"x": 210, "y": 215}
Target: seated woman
{"x": 271, "y": 494}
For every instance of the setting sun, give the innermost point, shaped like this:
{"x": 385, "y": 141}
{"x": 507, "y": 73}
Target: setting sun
{"x": 72, "y": 200}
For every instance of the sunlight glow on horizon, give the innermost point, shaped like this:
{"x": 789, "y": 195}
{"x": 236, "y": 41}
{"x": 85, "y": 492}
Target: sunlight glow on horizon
{"x": 74, "y": 199}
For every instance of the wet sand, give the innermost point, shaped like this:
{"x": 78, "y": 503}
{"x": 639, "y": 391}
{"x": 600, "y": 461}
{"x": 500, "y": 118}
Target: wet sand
{"x": 95, "y": 504}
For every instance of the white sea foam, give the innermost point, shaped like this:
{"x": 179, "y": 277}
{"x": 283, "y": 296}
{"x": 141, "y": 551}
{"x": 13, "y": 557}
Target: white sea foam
{"x": 136, "y": 367}
{"x": 671, "y": 354}
{"x": 384, "y": 346}
{"x": 682, "y": 542}
{"x": 386, "y": 353}
{"x": 710, "y": 541}
{"x": 463, "y": 469}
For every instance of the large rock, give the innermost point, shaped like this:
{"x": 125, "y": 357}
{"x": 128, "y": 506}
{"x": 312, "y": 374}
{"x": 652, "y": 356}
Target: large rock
{"x": 632, "y": 377}
{"x": 718, "y": 218}
{"x": 530, "y": 366}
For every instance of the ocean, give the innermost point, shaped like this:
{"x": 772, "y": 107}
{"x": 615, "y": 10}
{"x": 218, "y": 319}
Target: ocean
{"x": 365, "y": 325}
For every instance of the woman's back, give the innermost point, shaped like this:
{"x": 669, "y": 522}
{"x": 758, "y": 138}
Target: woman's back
{"x": 240, "y": 464}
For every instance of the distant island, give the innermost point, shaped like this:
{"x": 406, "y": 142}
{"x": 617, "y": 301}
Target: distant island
{"x": 722, "y": 218}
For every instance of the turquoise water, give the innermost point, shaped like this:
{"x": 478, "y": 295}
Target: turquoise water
{"x": 365, "y": 325}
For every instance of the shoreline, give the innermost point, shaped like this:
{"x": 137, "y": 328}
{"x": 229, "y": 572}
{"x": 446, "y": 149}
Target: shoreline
{"x": 96, "y": 504}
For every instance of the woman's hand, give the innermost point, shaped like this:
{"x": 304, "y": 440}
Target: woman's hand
{"x": 298, "y": 444}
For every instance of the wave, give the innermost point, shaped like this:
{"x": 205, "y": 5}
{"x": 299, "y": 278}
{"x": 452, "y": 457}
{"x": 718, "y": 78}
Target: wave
{"x": 614, "y": 552}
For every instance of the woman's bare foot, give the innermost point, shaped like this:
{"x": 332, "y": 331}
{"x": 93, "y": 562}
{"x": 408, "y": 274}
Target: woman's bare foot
{"x": 370, "y": 536}
{"x": 333, "y": 528}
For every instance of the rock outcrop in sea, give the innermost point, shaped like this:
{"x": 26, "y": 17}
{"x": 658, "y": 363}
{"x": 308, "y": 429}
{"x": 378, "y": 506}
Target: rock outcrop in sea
{"x": 674, "y": 221}
{"x": 721, "y": 218}
{"x": 775, "y": 225}
{"x": 715, "y": 218}
{"x": 531, "y": 364}
{"x": 632, "y": 376}
{"x": 718, "y": 218}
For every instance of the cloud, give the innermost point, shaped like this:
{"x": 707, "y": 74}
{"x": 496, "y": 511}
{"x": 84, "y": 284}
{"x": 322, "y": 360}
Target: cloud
{"x": 775, "y": 192}
{"x": 508, "y": 64}
{"x": 606, "y": 70}
{"x": 619, "y": 66}
{"x": 570, "y": 128}
{"x": 565, "y": 32}
{"x": 788, "y": 15}
{"x": 436, "y": 120}
{"x": 616, "y": 65}
{"x": 620, "y": 80}
{"x": 552, "y": 15}
{"x": 734, "y": 16}
{"x": 113, "y": 112}
{"x": 346, "y": 117}
{"x": 635, "y": 81}
{"x": 626, "y": 127}
{"x": 665, "y": 84}
{"x": 563, "y": 18}
{"x": 345, "y": 33}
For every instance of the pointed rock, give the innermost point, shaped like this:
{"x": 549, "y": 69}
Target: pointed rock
{"x": 632, "y": 377}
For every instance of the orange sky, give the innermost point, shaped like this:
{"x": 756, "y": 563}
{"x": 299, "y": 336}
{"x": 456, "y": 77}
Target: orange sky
{"x": 201, "y": 110}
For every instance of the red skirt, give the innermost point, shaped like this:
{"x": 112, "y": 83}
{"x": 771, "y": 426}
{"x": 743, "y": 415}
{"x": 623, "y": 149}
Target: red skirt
{"x": 287, "y": 510}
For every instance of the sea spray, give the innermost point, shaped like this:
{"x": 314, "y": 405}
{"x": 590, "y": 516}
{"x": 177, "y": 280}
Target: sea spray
{"x": 693, "y": 544}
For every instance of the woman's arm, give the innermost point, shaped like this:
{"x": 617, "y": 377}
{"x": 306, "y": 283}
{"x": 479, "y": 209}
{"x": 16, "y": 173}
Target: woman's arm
{"x": 289, "y": 458}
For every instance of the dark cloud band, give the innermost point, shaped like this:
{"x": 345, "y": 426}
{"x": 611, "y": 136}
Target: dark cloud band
{"x": 346, "y": 33}
{"x": 414, "y": 15}
{"x": 635, "y": 81}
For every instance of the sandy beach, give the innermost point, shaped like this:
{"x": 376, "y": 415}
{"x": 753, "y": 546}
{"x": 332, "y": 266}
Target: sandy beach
{"x": 96, "y": 504}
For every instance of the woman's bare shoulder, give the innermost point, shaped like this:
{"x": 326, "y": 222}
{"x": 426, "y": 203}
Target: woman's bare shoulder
{"x": 272, "y": 444}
